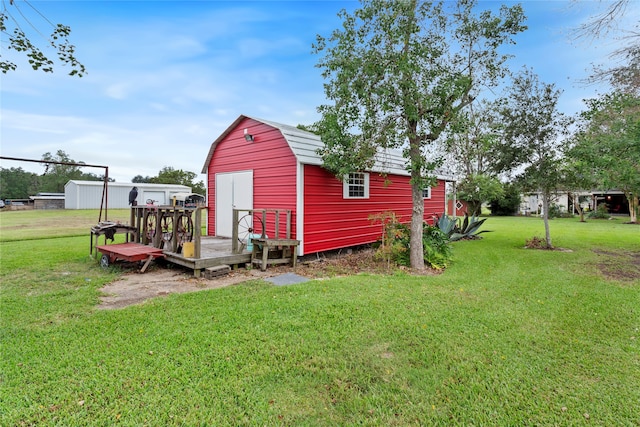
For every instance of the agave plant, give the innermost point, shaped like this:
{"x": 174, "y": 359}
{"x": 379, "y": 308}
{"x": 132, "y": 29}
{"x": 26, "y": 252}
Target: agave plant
{"x": 446, "y": 224}
{"x": 456, "y": 229}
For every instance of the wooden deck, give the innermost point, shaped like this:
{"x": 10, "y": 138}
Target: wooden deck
{"x": 171, "y": 228}
{"x": 214, "y": 251}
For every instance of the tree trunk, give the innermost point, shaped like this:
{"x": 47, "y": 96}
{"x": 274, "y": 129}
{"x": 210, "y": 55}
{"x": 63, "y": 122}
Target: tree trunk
{"x": 474, "y": 207}
{"x": 545, "y": 217}
{"x": 416, "y": 255}
{"x": 416, "y": 252}
{"x": 576, "y": 205}
{"x": 633, "y": 207}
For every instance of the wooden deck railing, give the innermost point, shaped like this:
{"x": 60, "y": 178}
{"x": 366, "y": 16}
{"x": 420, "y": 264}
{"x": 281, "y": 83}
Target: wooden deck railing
{"x": 168, "y": 227}
{"x": 262, "y": 221}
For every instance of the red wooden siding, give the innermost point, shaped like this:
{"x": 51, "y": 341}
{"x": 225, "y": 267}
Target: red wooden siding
{"x": 458, "y": 212}
{"x": 332, "y": 222}
{"x": 273, "y": 165}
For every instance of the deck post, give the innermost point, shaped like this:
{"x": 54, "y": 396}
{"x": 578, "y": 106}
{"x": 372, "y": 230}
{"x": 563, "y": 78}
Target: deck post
{"x": 234, "y": 232}
{"x": 157, "y": 237}
{"x": 277, "y": 224}
{"x": 264, "y": 223}
{"x": 132, "y": 217}
{"x": 138, "y": 224}
{"x": 197, "y": 231}
{"x": 288, "y": 236}
{"x": 174, "y": 234}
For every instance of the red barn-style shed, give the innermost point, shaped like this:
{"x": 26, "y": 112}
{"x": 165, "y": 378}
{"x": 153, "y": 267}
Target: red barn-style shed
{"x": 259, "y": 164}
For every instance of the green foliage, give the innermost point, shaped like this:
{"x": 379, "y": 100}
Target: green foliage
{"x": 57, "y": 175}
{"x": 458, "y": 228}
{"x": 532, "y": 133}
{"x": 139, "y": 179}
{"x": 601, "y": 212}
{"x": 437, "y": 251}
{"x": 558, "y": 211}
{"x": 395, "y": 242}
{"x": 399, "y": 73}
{"x": 16, "y": 183}
{"x": 474, "y": 137}
{"x": 469, "y": 228}
{"x": 509, "y": 203}
{"x": 475, "y": 189}
{"x": 555, "y": 211}
{"x": 169, "y": 175}
{"x": 607, "y": 144}
{"x": 447, "y": 224}
{"x": 388, "y": 247}
{"x": 19, "y": 41}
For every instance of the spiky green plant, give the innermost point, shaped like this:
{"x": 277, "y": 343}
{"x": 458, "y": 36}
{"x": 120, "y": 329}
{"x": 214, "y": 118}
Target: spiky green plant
{"x": 456, "y": 229}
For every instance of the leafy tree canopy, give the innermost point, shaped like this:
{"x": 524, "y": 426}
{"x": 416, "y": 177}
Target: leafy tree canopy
{"x": 169, "y": 175}
{"x": 532, "y": 133}
{"x": 16, "y": 183}
{"x": 471, "y": 152}
{"x": 475, "y": 189}
{"x": 141, "y": 179}
{"x": 608, "y": 147}
{"x": 18, "y": 20}
{"x": 55, "y": 176}
{"x": 398, "y": 74}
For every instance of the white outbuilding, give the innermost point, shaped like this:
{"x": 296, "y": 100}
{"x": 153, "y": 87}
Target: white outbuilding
{"x": 88, "y": 194}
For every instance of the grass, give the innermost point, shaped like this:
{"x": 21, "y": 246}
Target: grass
{"x": 506, "y": 336}
{"x": 39, "y": 224}
{"x": 46, "y": 224}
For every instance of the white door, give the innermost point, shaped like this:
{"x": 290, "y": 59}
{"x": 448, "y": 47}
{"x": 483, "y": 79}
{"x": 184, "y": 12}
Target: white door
{"x": 234, "y": 190}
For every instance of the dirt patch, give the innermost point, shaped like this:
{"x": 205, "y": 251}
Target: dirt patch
{"x": 135, "y": 288}
{"x": 541, "y": 244}
{"x": 619, "y": 265}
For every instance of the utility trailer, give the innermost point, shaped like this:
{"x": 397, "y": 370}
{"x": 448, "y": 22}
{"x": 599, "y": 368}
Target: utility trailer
{"x": 129, "y": 252}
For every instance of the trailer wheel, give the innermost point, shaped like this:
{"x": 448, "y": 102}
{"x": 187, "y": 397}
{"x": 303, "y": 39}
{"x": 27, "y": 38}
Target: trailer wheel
{"x": 104, "y": 261}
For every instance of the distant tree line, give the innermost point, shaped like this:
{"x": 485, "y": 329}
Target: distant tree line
{"x": 169, "y": 175}
{"x": 16, "y": 183}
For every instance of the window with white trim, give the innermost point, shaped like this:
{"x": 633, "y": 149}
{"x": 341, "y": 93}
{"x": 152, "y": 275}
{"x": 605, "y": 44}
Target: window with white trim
{"x": 426, "y": 193}
{"x": 356, "y": 186}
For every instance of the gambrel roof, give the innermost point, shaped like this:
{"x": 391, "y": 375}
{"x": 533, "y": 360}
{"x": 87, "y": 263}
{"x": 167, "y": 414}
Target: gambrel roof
{"x": 305, "y": 146}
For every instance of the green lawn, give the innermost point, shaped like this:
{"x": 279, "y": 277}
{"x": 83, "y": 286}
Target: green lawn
{"x": 42, "y": 224}
{"x": 38, "y": 224}
{"x": 506, "y": 336}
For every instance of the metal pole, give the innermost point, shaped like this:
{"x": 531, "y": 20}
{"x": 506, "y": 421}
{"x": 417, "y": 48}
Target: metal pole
{"x": 105, "y": 191}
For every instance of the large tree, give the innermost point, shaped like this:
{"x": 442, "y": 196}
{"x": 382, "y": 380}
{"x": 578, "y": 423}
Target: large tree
{"x": 59, "y": 169}
{"x": 470, "y": 150}
{"x": 21, "y": 23}
{"x": 398, "y": 74}
{"x": 532, "y": 137}
{"x": 608, "y": 144}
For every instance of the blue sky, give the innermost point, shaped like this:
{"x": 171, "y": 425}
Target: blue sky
{"x": 165, "y": 78}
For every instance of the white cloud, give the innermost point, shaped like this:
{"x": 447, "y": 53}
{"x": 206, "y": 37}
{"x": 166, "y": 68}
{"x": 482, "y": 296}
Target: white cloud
{"x": 118, "y": 90}
{"x": 162, "y": 86}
